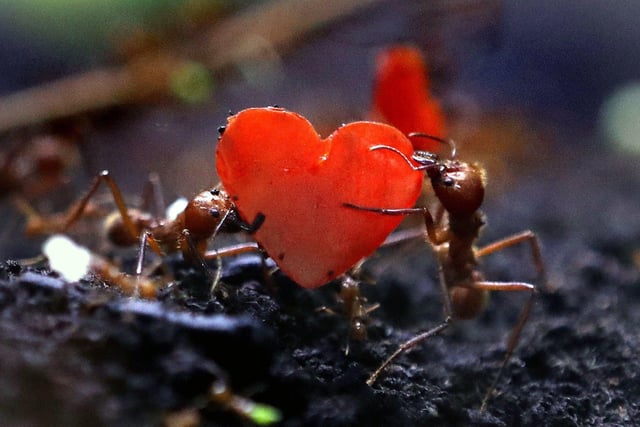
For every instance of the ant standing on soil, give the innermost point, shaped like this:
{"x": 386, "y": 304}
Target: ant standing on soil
{"x": 72, "y": 262}
{"x": 355, "y": 307}
{"x": 204, "y": 216}
{"x": 459, "y": 187}
{"x": 36, "y": 166}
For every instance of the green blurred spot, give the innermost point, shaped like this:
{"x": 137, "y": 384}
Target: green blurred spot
{"x": 91, "y": 26}
{"x": 264, "y": 414}
{"x": 620, "y": 118}
{"x": 192, "y": 83}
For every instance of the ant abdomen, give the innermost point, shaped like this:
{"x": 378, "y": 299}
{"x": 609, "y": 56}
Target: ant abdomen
{"x": 467, "y": 303}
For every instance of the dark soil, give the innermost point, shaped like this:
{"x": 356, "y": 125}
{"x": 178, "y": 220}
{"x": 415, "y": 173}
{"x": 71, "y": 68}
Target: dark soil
{"x": 82, "y": 354}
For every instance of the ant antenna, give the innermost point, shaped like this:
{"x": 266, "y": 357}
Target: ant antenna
{"x": 222, "y": 222}
{"x": 450, "y": 142}
{"x": 424, "y": 158}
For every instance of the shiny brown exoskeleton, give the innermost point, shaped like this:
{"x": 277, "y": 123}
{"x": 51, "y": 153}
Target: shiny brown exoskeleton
{"x": 459, "y": 188}
{"x": 208, "y": 213}
{"x": 354, "y": 307}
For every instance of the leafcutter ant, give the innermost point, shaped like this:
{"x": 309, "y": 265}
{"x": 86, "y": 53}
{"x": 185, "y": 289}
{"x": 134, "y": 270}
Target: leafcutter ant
{"x": 262, "y": 414}
{"x": 36, "y": 166}
{"x": 459, "y": 187}
{"x": 188, "y": 231}
{"x": 220, "y": 396}
{"x": 73, "y": 262}
{"x": 355, "y": 307}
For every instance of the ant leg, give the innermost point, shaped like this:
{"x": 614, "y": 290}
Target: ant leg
{"x": 146, "y": 239}
{"x": 136, "y": 286}
{"x": 120, "y": 204}
{"x": 428, "y": 219}
{"x": 385, "y": 211}
{"x": 152, "y": 192}
{"x": 77, "y": 209}
{"x": 62, "y": 222}
{"x": 354, "y": 305}
{"x": 218, "y": 254}
{"x": 36, "y": 224}
{"x": 514, "y": 336}
{"x": 258, "y": 413}
{"x": 146, "y": 236}
{"x": 525, "y": 236}
{"x": 238, "y": 249}
{"x": 401, "y": 236}
{"x": 193, "y": 251}
{"x": 439, "y": 213}
{"x": 418, "y": 339}
{"x": 407, "y": 345}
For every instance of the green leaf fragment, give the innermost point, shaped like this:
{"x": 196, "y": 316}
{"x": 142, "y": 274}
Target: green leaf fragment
{"x": 264, "y": 414}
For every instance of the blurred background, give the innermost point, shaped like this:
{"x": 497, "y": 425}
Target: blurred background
{"x": 146, "y": 84}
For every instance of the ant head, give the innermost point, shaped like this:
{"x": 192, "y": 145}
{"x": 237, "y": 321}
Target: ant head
{"x": 205, "y": 212}
{"x": 459, "y": 186}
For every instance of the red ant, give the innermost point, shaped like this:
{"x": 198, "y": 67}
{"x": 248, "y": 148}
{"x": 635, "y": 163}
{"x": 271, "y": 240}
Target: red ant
{"x": 34, "y": 167}
{"x": 354, "y": 306}
{"x": 222, "y": 396}
{"x": 204, "y": 216}
{"x": 72, "y": 262}
{"x": 459, "y": 187}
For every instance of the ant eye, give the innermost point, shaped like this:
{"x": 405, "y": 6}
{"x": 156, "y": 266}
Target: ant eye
{"x": 214, "y": 212}
{"x": 214, "y": 192}
{"x": 448, "y": 181}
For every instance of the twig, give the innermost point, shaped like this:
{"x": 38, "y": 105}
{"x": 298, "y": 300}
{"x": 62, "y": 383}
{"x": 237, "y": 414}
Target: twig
{"x": 278, "y": 23}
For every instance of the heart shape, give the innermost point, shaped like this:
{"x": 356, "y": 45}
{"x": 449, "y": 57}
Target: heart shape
{"x": 401, "y": 95}
{"x": 272, "y": 161}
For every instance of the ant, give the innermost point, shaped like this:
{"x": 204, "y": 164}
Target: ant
{"x": 221, "y": 396}
{"x": 354, "y": 306}
{"x": 35, "y": 167}
{"x": 459, "y": 188}
{"x": 72, "y": 262}
{"x": 204, "y": 216}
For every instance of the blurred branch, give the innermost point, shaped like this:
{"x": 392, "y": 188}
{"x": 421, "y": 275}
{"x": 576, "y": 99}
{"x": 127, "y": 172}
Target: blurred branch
{"x": 279, "y": 23}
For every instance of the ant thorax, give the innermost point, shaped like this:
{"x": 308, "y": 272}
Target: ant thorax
{"x": 116, "y": 230}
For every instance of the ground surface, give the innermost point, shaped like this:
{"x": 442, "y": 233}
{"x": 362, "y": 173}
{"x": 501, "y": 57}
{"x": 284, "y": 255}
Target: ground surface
{"x": 83, "y": 354}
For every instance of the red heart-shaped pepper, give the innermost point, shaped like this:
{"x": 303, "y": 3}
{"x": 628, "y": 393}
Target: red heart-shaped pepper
{"x": 401, "y": 96}
{"x": 272, "y": 161}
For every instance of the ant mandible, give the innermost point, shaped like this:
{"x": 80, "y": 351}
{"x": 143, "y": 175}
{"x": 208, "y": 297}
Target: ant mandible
{"x": 204, "y": 216}
{"x": 460, "y": 187}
